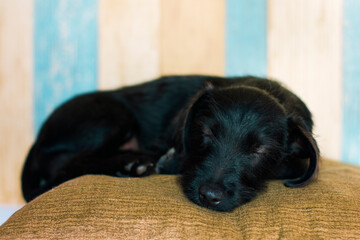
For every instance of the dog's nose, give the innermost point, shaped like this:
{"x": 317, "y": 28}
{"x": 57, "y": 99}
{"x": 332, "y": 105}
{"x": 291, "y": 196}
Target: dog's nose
{"x": 211, "y": 195}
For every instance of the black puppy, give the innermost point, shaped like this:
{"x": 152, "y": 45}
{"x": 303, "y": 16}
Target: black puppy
{"x": 225, "y": 136}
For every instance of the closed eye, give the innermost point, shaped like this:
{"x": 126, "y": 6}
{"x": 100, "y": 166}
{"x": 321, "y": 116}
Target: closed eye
{"x": 261, "y": 149}
{"x": 208, "y": 136}
{"x": 258, "y": 149}
{"x": 253, "y": 144}
{"x": 208, "y": 139}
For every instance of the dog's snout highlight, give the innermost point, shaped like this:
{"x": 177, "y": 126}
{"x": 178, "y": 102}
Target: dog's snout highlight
{"x": 211, "y": 195}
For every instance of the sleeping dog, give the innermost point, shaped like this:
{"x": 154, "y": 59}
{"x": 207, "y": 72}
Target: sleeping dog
{"x": 226, "y": 137}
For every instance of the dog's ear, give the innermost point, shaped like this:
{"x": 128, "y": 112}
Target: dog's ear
{"x": 301, "y": 144}
{"x": 199, "y": 106}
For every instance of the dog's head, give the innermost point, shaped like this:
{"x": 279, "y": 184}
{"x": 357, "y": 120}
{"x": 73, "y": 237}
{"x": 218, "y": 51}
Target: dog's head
{"x": 234, "y": 140}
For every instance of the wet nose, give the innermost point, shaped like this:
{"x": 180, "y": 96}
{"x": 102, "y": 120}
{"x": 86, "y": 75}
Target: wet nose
{"x": 211, "y": 195}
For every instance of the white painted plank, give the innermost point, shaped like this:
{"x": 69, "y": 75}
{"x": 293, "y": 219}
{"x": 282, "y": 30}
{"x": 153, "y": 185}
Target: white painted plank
{"x": 304, "y": 51}
{"x": 128, "y": 41}
{"x": 15, "y": 94}
{"x": 192, "y": 37}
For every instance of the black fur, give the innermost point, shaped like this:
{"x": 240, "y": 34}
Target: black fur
{"x": 225, "y": 136}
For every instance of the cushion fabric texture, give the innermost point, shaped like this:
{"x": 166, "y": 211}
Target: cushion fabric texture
{"x": 103, "y": 207}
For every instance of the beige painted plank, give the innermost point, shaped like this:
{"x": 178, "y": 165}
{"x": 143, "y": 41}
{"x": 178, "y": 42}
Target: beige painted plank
{"x": 128, "y": 41}
{"x": 192, "y": 36}
{"x": 304, "y": 51}
{"x": 15, "y": 94}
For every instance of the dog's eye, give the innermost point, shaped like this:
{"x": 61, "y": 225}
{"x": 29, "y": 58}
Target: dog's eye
{"x": 259, "y": 149}
{"x": 207, "y": 139}
{"x": 208, "y": 136}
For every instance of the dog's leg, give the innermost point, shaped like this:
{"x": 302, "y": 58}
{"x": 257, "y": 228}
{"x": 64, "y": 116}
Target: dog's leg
{"x": 169, "y": 163}
{"x": 122, "y": 164}
{"x": 91, "y": 134}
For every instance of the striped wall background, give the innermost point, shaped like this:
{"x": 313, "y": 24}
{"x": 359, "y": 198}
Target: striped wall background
{"x": 52, "y": 50}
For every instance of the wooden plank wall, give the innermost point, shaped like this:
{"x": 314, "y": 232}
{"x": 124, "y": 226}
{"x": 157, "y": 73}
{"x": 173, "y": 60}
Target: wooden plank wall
{"x": 350, "y": 149}
{"x": 246, "y": 38}
{"x": 128, "y": 44}
{"x": 192, "y": 37}
{"x": 304, "y": 51}
{"x": 65, "y": 53}
{"x": 15, "y": 94}
{"x": 312, "y": 46}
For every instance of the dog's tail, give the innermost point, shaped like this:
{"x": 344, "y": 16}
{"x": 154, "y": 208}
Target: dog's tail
{"x": 312, "y": 151}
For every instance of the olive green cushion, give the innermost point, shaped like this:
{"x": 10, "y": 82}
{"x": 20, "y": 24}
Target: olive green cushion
{"x": 155, "y": 208}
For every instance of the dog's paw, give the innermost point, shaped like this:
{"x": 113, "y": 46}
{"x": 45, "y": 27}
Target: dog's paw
{"x": 165, "y": 162}
{"x": 139, "y": 167}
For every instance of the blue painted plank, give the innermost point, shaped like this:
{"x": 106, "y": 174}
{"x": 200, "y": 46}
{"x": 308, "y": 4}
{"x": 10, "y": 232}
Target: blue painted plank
{"x": 351, "y": 83}
{"x": 246, "y": 37}
{"x": 65, "y": 52}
